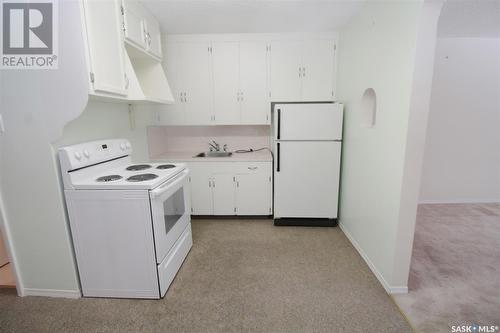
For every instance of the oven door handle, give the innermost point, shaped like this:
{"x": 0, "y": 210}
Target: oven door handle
{"x": 179, "y": 178}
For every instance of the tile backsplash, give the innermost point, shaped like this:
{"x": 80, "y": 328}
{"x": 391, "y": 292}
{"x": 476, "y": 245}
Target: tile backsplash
{"x": 164, "y": 139}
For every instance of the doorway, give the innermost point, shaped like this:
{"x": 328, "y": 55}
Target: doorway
{"x": 456, "y": 249}
{"x": 7, "y": 279}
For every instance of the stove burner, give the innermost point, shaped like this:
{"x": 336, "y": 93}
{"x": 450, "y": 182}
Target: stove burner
{"x": 142, "y": 177}
{"x": 138, "y": 167}
{"x": 165, "y": 166}
{"x": 109, "y": 178}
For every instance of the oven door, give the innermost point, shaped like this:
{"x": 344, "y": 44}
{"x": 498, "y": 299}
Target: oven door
{"x": 170, "y": 209}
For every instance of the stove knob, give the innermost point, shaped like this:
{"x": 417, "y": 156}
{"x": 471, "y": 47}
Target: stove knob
{"x": 122, "y": 146}
{"x": 86, "y": 153}
{"x": 127, "y": 145}
{"x": 78, "y": 156}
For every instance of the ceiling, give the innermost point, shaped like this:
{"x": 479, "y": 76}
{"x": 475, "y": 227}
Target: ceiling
{"x": 237, "y": 16}
{"x": 470, "y": 18}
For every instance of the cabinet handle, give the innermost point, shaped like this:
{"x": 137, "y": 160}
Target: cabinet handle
{"x": 278, "y": 158}
{"x": 213, "y": 183}
{"x": 303, "y": 72}
{"x": 279, "y": 124}
{"x": 253, "y": 168}
{"x": 300, "y": 72}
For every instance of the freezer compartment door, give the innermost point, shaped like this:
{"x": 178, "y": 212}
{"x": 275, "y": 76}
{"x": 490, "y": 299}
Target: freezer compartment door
{"x": 308, "y": 121}
{"x": 306, "y": 179}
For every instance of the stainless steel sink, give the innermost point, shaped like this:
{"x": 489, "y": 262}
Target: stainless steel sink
{"x": 214, "y": 154}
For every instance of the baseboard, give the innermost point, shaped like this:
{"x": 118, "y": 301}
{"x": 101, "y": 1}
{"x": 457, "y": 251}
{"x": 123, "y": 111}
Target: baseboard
{"x": 52, "y": 293}
{"x": 458, "y": 201}
{"x": 399, "y": 290}
{"x": 388, "y": 288}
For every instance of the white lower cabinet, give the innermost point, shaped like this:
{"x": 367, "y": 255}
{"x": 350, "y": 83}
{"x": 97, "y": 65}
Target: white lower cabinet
{"x": 223, "y": 194}
{"x": 231, "y": 188}
{"x": 253, "y": 194}
{"x": 201, "y": 189}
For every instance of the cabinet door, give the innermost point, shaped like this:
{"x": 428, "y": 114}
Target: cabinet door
{"x": 173, "y": 114}
{"x": 134, "y": 24}
{"x": 255, "y": 106}
{"x": 106, "y": 50}
{"x": 153, "y": 36}
{"x": 223, "y": 194}
{"x": 225, "y": 65}
{"x": 318, "y": 74}
{"x": 201, "y": 190}
{"x": 253, "y": 194}
{"x": 196, "y": 72}
{"x": 286, "y": 61}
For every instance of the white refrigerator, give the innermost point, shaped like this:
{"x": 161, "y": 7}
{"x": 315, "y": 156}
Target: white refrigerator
{"x": 307, "y": 149}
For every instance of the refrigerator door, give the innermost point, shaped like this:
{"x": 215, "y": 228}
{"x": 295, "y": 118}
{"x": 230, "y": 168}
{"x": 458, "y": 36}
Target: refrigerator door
{"x": 308, "y": 121}
{"x": 306, "y": 179}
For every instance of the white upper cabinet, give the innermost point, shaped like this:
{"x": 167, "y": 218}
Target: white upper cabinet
{"x": 188, "y": 68}
{"x": 133, "y": 24}
{"x": 123, "y": 52}
{"x": 195, "y": 71}
{"x": 232, "y": 79}
{"x": 254, "y": 90}
{"x": 153, "y": 35}
{"x": 286, "y": 63}
{"x": 141, "y": 29}
{"x": 226, "y": 73}
{"x": 173, "y": 114}
{"x": 105, "y": 46}
{"x": 240, "y": 83}
{"x": 318, "y": 64}
{"x": 302, "y": 71}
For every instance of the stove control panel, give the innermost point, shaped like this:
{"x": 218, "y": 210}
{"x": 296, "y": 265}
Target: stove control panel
{"x": 89, "y": 153}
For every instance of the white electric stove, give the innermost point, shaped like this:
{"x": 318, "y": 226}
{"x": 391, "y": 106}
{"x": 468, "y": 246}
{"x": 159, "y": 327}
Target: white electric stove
{"x": 130, "y": 222}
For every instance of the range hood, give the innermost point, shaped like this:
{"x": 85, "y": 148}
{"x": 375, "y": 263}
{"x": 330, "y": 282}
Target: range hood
{"x": 147, "y": 79}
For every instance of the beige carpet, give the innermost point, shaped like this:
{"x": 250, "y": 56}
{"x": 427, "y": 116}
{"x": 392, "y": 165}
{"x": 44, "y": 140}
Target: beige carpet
{"x": 240, "y": 276}
{"x": 455, "y": 269}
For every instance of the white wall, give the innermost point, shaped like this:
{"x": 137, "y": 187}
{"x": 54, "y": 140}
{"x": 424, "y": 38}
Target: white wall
{"x": 104, "y": 120}
{"x": 36, "y": 105}
{"x": 462, "y": 154}
{"x": 377, "y": 50}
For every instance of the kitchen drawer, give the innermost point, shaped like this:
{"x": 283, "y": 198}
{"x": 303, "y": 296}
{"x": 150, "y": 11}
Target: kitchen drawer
{"x": 174, "y": 259}
{"x": 252, "y": 168}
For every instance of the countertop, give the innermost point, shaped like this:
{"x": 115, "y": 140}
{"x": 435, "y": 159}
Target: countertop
{"x": 259, "y": 156}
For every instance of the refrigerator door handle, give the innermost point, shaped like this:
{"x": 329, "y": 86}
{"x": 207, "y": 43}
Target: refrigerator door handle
{"x": 278, "y": 157}
{"x": 279, "y": 124}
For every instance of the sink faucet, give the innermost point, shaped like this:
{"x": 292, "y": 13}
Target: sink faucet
{"x": 214, "y": 146}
